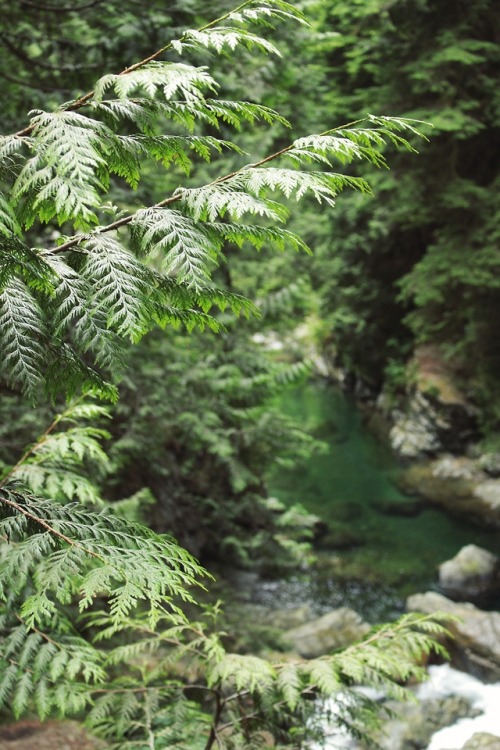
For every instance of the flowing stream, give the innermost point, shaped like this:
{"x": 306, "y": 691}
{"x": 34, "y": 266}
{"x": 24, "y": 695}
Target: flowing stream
{"x": 381, "y": 544}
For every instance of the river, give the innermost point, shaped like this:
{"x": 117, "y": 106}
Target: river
{"x": 379, "y": 546}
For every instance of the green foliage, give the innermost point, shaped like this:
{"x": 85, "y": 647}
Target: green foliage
{"x": 95, "y": 603}
{"x": 53, "y": 466}
{"x": 91, "y": 290}
{"x": 195, "y": 423}
{"x": 422, "y": 264}
{"x": 126, "y": 659}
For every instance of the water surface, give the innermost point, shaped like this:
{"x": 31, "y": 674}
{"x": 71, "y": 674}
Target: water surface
{"x": 378, "y": 547}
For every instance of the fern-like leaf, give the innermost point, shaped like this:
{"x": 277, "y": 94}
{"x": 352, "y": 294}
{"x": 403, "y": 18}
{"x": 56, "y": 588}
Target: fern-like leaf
{"x": 9, "y": 224}
{"x": 119, "y": 285}
{"x": 171, "y": 79}
{"x": 185, "y": 246}
{"x": 224, "y": 39}
{"x": 67, "y": 174}
{"x": 95, "y": 553}
{"x": 22, "y": 335}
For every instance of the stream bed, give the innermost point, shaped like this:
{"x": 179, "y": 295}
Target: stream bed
{"x": 380, "y": 544}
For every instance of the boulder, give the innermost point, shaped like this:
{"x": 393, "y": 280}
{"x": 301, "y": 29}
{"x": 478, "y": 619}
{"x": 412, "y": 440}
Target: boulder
{"x": 473, "y": 575}
{"x": 415, "y": 723}
{"x": 490, "y": 464}
{"x": 476, "y": 645}
{"x": 286, "y": 618}
{"x": 483, "y": 741}
{"x": 488, "y": 494}
{"x": 428, "y": 426}
{"x": 336, "y": 629}
{"x": 459, "y": 486}
{"x": 415, "y": 430}
{"x": 456, "y": 467}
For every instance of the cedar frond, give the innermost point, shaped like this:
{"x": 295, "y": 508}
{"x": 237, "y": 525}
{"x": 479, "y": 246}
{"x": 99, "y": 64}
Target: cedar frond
{"x": 22, "y": 336}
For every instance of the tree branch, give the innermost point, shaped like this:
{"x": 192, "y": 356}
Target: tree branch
{"x": 33, "y": 448}
{"x": 49, "y": 528}
{"x": 172, "y": 199}
{"x": 82, "y": 100}
{"x": 74, "y": 241}
{"x": 213, "y": 735}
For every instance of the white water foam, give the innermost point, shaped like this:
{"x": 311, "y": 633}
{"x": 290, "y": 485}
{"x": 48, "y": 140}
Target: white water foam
{"x": 444, "y": 681}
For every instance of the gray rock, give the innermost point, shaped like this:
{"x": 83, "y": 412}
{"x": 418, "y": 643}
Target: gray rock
{"x": 473, "y": 575}
{"x": 336, "y": 629}
{"x": 488, "y": 492}
{"x": 453, "y": 467}
{"x": 490, "y": 464}
{"x": 415, "y": 431}
{"x": 415, "y": 723}
{"x": 476, "y": 645}
{"x": 459, "y": 486}
{"x": 483, "y": 741}
{"x": 286, "y": 619}
{"x": 430, "y": 425}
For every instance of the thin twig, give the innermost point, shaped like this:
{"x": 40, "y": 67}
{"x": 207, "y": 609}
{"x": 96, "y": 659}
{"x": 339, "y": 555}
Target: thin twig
{"x": 40, "y": 633}
{"x": 32, "y": 449}
{"x": 50, "y": 528}
{"x": 171, "y": 199}
{"x": 213, "y": 735}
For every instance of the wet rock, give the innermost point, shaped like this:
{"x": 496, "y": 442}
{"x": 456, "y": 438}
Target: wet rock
{"x": 415, "y": 723}
{"x": 473, "y": 575}
{"x": 457, "y": 485}
{"x": 483, "y": 741}
{"x": 488, "y": 494}
{"x": 452, "y": 467}
{"x": 437, "y": 416}
{"x": 286, "y": 619}
{"x": 427, "y": 426}
{"x": 476, "y": 645}
{"x": 490, "y": 464}
{"x": 336, "y": 629}
{"x": 415, "y": 430}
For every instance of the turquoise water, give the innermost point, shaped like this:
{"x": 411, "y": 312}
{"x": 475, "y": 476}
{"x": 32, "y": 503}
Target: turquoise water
{"x": 369, "y": 557}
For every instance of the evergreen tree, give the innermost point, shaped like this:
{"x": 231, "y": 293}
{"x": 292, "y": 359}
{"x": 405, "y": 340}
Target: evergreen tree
{"x": 94, "y": 615}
